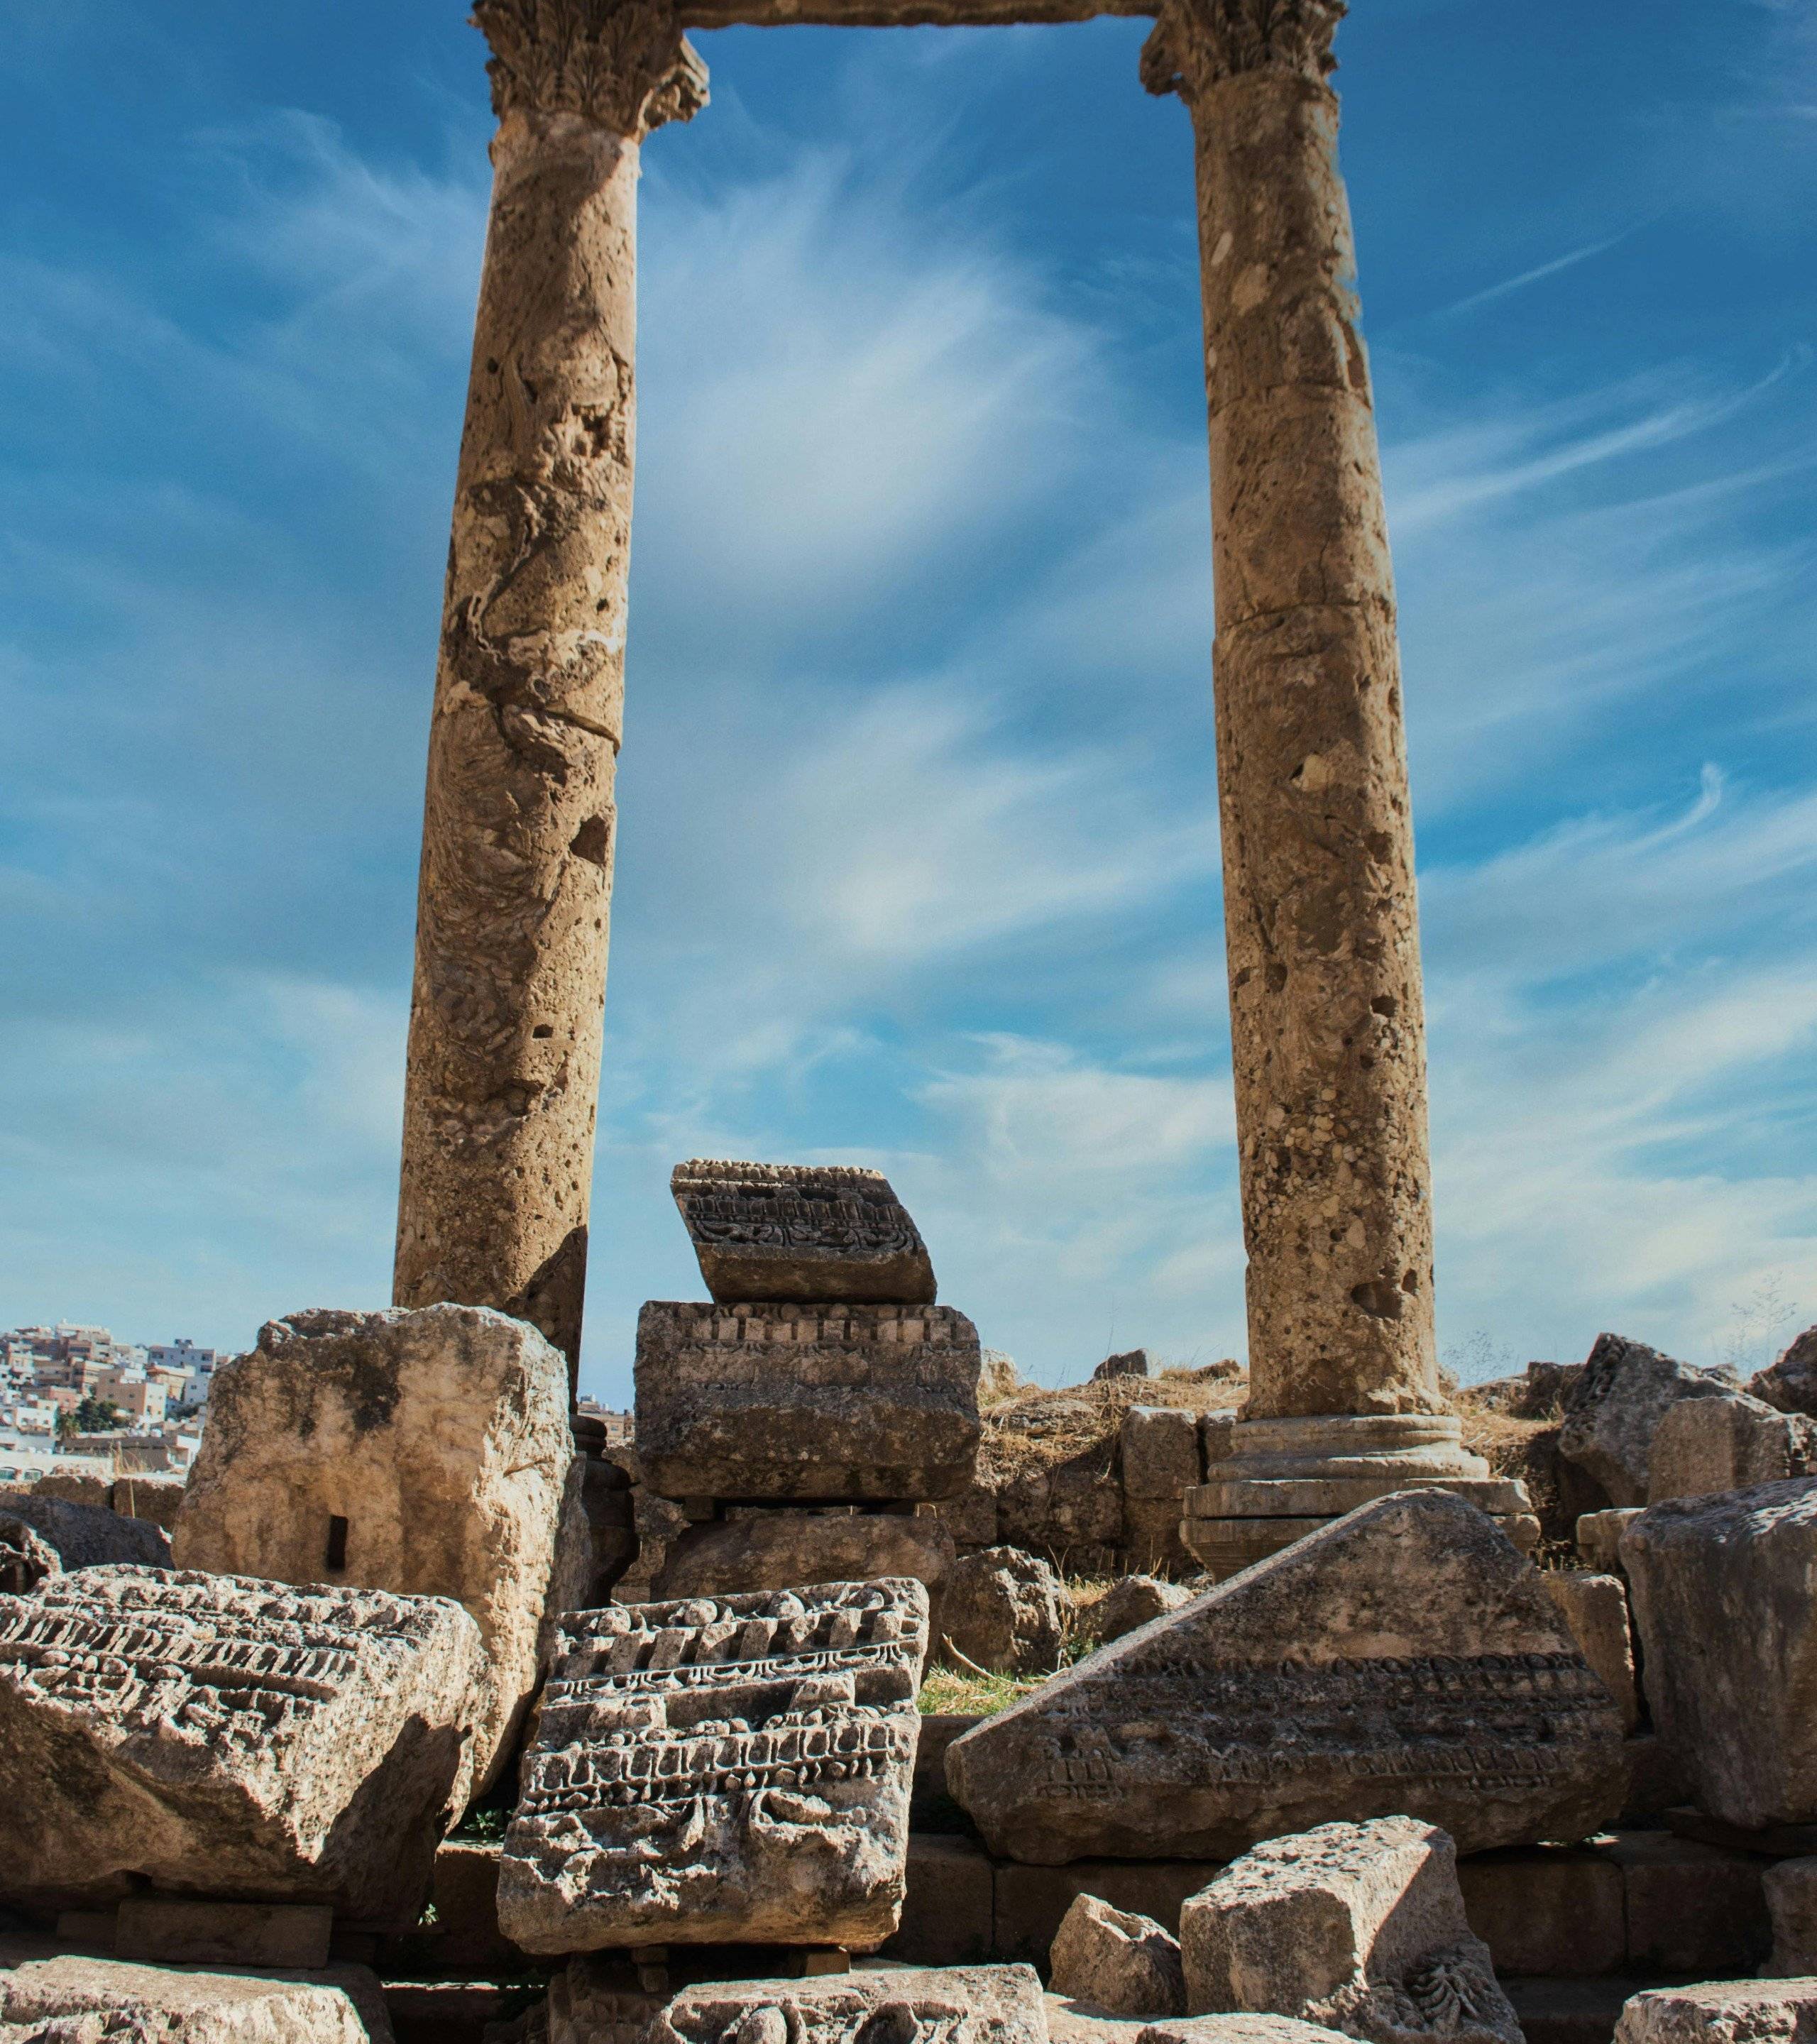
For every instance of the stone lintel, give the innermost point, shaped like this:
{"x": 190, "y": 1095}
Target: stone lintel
{"x": 898, "y": 14}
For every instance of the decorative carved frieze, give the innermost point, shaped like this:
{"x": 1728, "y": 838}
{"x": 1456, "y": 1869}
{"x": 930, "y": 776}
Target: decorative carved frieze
{"x": 623, "y": 63}
{"x": 1198, "y": 43}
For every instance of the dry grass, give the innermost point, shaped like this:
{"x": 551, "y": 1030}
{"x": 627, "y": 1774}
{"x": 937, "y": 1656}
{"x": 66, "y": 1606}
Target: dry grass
{"x": 963, "y": 1692}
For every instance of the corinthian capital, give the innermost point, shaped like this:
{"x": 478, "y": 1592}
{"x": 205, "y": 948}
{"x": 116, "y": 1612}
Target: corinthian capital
{"x": 1198, "y": 43}
{"x": 624, "y": 64}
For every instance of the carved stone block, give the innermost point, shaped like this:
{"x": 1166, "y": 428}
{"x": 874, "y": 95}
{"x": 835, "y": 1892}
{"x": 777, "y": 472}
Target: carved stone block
{"x": 210, "y": 1735}
{"x": 821, "y": 1232}
{"x": 903, "y": 2005}
{"x": 773, "y": 1550}
{"x": 1311, "y": 1686}
{"x": 778, "y": 1402}
{"x": 728, "y": 1770}
{"x": 1778, "y": 2011}
{"x": 77, "y": 1999}
{"x": 424, "y": 1453}
{"x": 1356, "y": 1928}
{"x": 1117, "y": 1961}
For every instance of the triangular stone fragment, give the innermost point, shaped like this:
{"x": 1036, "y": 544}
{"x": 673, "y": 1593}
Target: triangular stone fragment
{"x": 1405, "y": 1660}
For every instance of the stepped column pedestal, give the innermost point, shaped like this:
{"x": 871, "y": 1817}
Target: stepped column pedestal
{"x": 503, "y": 1079}
{"x": 1327, "y": 1022}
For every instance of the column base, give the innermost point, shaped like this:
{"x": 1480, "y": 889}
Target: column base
{"x": 1282, "y": 1479}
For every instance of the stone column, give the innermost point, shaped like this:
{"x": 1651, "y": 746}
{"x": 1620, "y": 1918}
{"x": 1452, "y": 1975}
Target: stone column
{"x": 1321, "y": 927}
{"x": 503, "y": 1076}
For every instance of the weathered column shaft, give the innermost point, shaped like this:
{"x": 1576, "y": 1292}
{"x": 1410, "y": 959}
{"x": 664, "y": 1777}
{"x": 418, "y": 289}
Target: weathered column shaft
{"x": 502, "y": 1082}
{"x": 1327, "y": 1016}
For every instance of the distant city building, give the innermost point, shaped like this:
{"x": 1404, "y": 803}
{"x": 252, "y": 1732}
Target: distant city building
{"x": 48, "y": 1374}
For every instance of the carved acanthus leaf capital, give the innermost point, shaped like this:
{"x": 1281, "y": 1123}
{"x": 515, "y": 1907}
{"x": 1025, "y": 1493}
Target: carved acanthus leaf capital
{"x": 1197, "y": 44}
{"x": 623, "y": 63}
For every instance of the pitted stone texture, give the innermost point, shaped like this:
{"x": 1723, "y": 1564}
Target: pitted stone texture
{"x": 897, "y": 2005}
{"x": 88, "y": 1536}
{"x": 26, "y": 1557}
{"x": 1314, "y": 1683}
{"x": 514, "y": 901}
{"x": 1722, "y": 2012}
{"x": 1356, "y": 1928}
{"x": 101, "y": 2001}
{"x": 1791, "y": 1889}
{"x": 1160, "y": 1451}
{"x": 1121, "y": 1962}
{"x": 815, "y": 1231}
{"x": 1613, "y": 1409}
{"x": 1789, "y": 1384}
{"x": 1235, "y": 2029}
{"x": 157, "y": 1498}
{"x": 1704, "y": 1445}
{"x": 209, "y": 1735}
{"x": 773, "y": 1550}
{"x": 1135, "y": 1600}
{"x": 438, "y": 1439}
{"x": 1004, "y": 1611}
{"x": 1596, "y": 1609}
{"x": 1728, "y": 1631}
{"x": 779, "y": 1402}
{"x": 718, "y": 1771}
{"x": 1327, "y": 1022}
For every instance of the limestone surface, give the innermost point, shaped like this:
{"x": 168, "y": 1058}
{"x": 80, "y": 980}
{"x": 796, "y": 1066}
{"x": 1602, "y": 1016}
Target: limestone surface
{"x": 87, "y": 1536}
{"x": 1595, "y": 1607}
{"x": 1117, "y": 1961}
{"x": 1356, "y": 1928}
{"x": 899, "y": 2005}
{"x": 26, "y": 1557}
{"x": 1133, "y": 1600}
{"x": 1791, "y": 1890}
{"x": 1004, "y": 1611}
{"x": 211, "y": 1735}
{"x": 1749, "y": 2012}
{"x": 70, "y": 2000}
{"x": 1728, "y": 1630}
{"x": 721, "y": 1770}
{"x": 1160, "y": 1451}
{"x": 816, "y": 1231}
{"x": 780, "y": 1402}
{"x": 1235, "y": 2029}
{"x": 1613, "y": 1410}
{"x": 1314, "y": 1685}
{"x": 1704, "y": 1445}
{"x": 773, "y": 1550}
{"x": 423, "y": 1452}
{"x": 1132, "y": 1363}
{"x": 1789, "y": 1384}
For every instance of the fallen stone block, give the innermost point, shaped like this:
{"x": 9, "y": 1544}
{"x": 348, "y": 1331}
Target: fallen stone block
{"x": 780, "y": 1550}
{"x": 1705, "y": 1445}
{"x": 776, "y": 1402}
{"x": 1004, "y": 1611}
{"x": 1312, "y": 1685}
{"x": 589, "y": 2004}
{"x": 1131, "y": 1362}
{"x": 947, "y": 1914}
{"x": 818, "y": 1231}
{"x": 1595, "y": 1607}
{"x": 1356, "y": 1928}
{"x": 1030, "y": 1903}
{"x": 48, "y": 1999}
{"x": 87, "y": 1536}
{"x": 77, "y": 1489}
{"x": 1161, "y": 1454}
{"x": 897, "y": 2005}
{"x": 1135, "y": 1600}
{"x": 716, "y": 1771}
{"x": 1791, "y": 1892}
{"x": 156, "y": 1498}
{"x": 1555, "y": 1910}
{"x": 212, "y": 1736}
{"x": 424, "y": 1453}
{"x": 1692, "y": 1908}
{"x": 1599, "y": 1536}
{"x": 1124, "y": 1964}
{"x": 1613, "y": 1409}
{"x": 1789, "y": 1384}
{"x": 169, "y": 1931}
{"x": 1721, "y": 2012}
{"x": 1722, "y": 1594}
{"x": 1234, "y": 2028}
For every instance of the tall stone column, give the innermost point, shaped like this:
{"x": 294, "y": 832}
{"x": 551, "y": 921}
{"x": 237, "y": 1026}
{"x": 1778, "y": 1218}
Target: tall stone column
{"x": 502, "y": 1082}
{"x": 1327, "y": 1021}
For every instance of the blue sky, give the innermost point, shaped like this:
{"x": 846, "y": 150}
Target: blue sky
{"x": 918, "y": 856}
